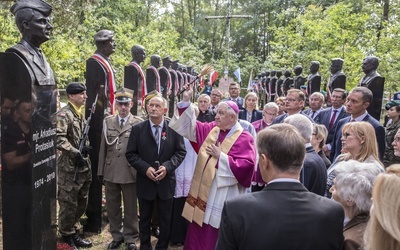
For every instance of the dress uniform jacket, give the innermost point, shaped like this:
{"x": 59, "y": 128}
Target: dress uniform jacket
{"x": 113, "y": 165}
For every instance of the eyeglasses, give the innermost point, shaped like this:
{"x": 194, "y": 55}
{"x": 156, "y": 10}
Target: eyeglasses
{"x": 266, "y": 113}
{"x": 397, "y": 139}
{"x": 291, "y": 100}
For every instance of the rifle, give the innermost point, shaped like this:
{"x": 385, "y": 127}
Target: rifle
{"x": 85, "y": 134}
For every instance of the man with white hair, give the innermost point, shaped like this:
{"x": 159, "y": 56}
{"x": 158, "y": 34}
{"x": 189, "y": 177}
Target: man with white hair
{"x": 224, "y": 168}
{"x": 205, "y": 115}
{"x": 316, "y": 101}
{"x": 313, "y": 174}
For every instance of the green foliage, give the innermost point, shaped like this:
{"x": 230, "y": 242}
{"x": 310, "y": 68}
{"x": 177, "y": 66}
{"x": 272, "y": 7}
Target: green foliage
{"x": 280, "y": 34}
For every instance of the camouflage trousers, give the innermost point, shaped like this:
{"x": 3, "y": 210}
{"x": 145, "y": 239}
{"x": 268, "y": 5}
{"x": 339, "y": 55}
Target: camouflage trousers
{"x": 72, "y": 199}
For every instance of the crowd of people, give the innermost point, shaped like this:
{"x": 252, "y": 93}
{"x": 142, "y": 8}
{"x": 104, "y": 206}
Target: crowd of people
{"x": 223, "y": 172}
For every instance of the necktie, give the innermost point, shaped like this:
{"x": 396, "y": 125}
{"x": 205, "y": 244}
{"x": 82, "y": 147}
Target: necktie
{"x": 332, "y": 121}
{"x": 121, "y": 124}
{"x": 313, "y": 114}
{"x": 156, "y": 134}
{"x": 39, "y": 53}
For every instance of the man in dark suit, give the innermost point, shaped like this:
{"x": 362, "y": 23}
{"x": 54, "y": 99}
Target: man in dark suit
{"x": 329, "y": 117}
{"x": 313, "y": 175}
{"x": 155, "y": 151}
{"x": 234, "y": 95}
{"x": 284, "y": 215}
{"x": 357, "y": 103}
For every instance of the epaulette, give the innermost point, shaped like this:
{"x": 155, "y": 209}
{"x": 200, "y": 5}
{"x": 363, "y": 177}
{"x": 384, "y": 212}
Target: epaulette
{"x": 108, "y": 117}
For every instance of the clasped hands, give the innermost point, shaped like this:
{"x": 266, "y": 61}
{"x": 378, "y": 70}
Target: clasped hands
{"x": 156, "y": 175}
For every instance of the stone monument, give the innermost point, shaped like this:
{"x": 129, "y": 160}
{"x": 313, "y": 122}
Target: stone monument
{"x": 28, "y": 152}
{"x": 100, "y": 80}
{"x": 375, "y": 82}
{"x": 314, "y": 79}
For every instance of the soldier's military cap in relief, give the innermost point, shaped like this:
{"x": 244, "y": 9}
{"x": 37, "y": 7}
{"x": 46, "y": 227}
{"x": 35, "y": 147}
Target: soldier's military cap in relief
{"x": 103, "y": 35}
{"x": 337, "y": 61}
{"x": 38, "y": 5}
{"x": 124, "y": 95}
{"x": 167, "y": 58}
{"x": 75, "y": 88}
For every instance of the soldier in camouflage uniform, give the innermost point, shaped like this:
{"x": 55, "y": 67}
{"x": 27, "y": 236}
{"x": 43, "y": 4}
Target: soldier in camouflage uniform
{"x": 72, "y": 196}
{"x": 393, "y": 112}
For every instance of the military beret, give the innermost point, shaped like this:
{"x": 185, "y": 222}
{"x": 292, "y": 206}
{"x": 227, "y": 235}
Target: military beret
{"x": 75, "y": 88}
{"x": 124, "y": 95}
{"x": 103, "y": 35}
{"x": 38, "y": 5}
{"x": 392, "y": 104}
{"x": 303, "y": 87}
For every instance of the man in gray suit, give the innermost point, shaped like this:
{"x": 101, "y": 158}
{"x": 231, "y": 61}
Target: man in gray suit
{"x": 118, "y": 176}
{"x": 284, "y": 215}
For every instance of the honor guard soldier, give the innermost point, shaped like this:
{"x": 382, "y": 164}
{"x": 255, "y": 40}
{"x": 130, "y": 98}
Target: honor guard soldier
{"x": 116, "y": 173}
{"x": 74, "y": 171}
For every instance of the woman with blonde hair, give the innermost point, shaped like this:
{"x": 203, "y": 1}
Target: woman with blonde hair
{"x": 250, "y": 112}
{"x": 383, "y": 230}
{"x": 318, "y": 140}
{"x": 359, "y": 143}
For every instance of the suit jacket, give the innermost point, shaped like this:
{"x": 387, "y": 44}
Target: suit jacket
{"x": 255, "y": 115}
{"x": 113, "y": 165}
{"x": 313, "y": 174}
{"x": 284, "y": 215}
{"x": 309, "y": 111}
{"x": 353, "y": 232}
{"x": 40, "y": 68}
{"x": 239, "y": 101}
{"x": 141, "y": 153}
{"x": 324, "y": 117}
{"x": 337, "y": 143}
{"x": 207, "y": 116}
{"x": 281, "y": 118}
